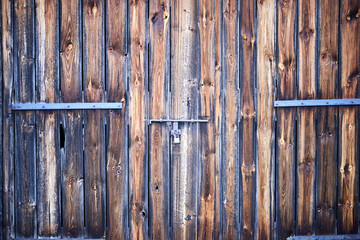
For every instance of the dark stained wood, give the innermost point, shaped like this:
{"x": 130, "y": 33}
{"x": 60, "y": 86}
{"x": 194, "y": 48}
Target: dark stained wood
{"x": 285, "y": 139}
{"x": 265, "y": 119}
{"x": 94, "y": 127}
{"x": 206, "y": 23}
{"x": 72, "y": 151}
{"x": 306, "y": 132}
{"x": 8, "y": 119}
{"x": 117, "y": 166}
{"x": 247, "y": 123}
{"x": 48, "y": 145}
{"x": 218, "y": 117}
{"x": 348, "y": 172}
{"x": 184, "y": 105}
{"x": 137, "y": 124}
{"x": 159, "y": 139}
{"x": 230, "y": 165}
{"x": 1, "y": 141}
{"x": 328, "y": 118}
{"x": 25, "y": 160}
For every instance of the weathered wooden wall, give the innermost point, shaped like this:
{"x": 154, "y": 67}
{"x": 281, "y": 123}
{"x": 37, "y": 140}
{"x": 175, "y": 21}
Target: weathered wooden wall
{"x": 251, "y": 172}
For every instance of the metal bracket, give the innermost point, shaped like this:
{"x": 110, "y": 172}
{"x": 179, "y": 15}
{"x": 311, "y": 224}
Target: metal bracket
{"x": 64, "y": 106}
{"x": 174, "y": 123}
{"x": 317, "y": 102}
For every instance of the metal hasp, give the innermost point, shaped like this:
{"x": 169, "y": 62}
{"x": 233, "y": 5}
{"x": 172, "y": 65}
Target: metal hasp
{"x": 175, "y": 131}
{"x": 64, "y": 106}
{"x": 317, "y": 103}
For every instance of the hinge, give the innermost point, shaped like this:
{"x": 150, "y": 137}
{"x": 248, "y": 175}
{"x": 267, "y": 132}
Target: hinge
{"x": 317, "y": 102}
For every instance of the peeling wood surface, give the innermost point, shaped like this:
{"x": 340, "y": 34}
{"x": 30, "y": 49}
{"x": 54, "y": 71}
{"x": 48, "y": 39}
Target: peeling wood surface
{"x": 72, "y": 165}
{"x": 285, "y": 133}
{"x": 306, "y": 132}
{"x": 159, "y": 161}
{"x": 47, "y": 135}
{"x": 137, "y": 125}
{"x": 327, "y": 136}
{"x": 25, "y": 133}
{"x": 265, "y": 119}
{"x": 117, "y": 165}
{"x": 348, "y": 172}
{"x": 7, "y": 47}
{"x": 94, "y": 127}
{"x": 184, "y": 105}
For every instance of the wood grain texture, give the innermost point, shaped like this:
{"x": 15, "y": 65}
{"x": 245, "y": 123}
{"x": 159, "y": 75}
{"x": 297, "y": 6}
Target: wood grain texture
{"x": 218, "y": 116}
{"x": 159, "y": 160}
{"x": 94, "y": 133}
{"x": 48, "y": 144}
{"x": 206, "y": 23}
{"x": 25, "y": 144}
{"x": 306, "y": 137}
{"x": 184, "y": 105}
{"x": 348, "y": 181}
{"x": 328, "y": 118}
{"x": 8, "y": 126}
{"x": 72, "y": 149}
{"x": 137, "y": 124}
{"x": 230, "y": 165}
{"x": 265, "y": 119}
{"x": 285, "y": 139}
{"x": 247, "y": 119}
{"x": 117, "y": 165}
{"x": 1, "y": 139}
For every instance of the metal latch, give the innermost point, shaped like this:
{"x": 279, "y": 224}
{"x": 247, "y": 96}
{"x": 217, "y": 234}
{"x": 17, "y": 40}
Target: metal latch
{"x": 174, "y": 123}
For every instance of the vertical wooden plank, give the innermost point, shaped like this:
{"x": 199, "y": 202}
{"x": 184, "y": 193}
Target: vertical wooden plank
{"x": 8, "y": 119}
{"x": 48, "y": 147}
{"x": 328, "y": 118}
{"x": 247, "y": 116}
{"x": 117, "y": 167}
{"x": 1, "y": 131}
{"x": 25, "y": 161}
{"x": 184, "y": 100}
{"x": 72, "y": 147}
{"x": 159, "y": 139}
{"x": 137, "y": 113}
{"x": 206, "y": 23}
{"x": 285, "y": 142}
{"x": 306, "y": 138}
{"x": 348, "y": 182}
{"x": 230, "y": 165}
{"x": 265, "y": 119}
{"x": 218, "y": 116}
{"x": 94, "y": 127}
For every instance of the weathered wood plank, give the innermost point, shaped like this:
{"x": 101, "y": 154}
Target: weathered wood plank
{"x": 117, "y": 165}
{"x": 48, "y": 145}
{"x": 8, "y": 119}
{"x": 285, "y": 142}
{"x": 348, "y": 181}
{"x": 72, "y": 147}
{"x": 247, "y": 117}
{"x": 2, "y": 171}
{"x": 206, "y": 23}
{"x": 265, "y": 119}
{"x": 218, "y": 116}
{"x": 94, "y": 127}
{"x": 25, "y": 154}
{"x": 159, "y": 139}
{"x": 137, "y": 124}
{"x": 328, "y": 118}
{"x": 306, "y": 137}
{"x": 184, "y": 100}
{"x": 230, "y": 165}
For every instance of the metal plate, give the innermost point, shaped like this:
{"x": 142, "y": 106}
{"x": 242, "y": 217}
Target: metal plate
{"x": 317, "y": 103}
{"x": 64, "y": 106}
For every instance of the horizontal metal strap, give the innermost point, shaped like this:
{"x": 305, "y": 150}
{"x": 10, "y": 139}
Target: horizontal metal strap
{"x": 65, "y": 106}
{"x": 179, "y": 120}
{"x": 317, "y": 102}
